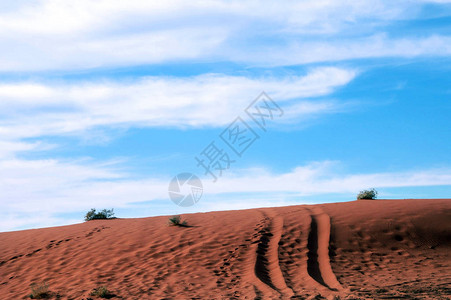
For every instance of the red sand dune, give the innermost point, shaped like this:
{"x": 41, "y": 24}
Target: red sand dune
{"x": 366, "y": 249}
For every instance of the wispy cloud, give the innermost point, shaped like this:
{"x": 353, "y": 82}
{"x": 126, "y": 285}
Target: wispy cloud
{"x": 375, "y": 46}
{"x": 205, "y": 100}
{"x": 323, "y": 177}
{"x": 51, "y": 188}
{"x": 54, "y": 35}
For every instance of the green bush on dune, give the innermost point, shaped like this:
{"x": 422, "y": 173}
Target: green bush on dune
{"x": 367, "y": 194}
{"x": 102, "y": 292}
{"x": 39, "y": 291}
{"x": 177, "y": 221}
{"x": 104, "y": 214}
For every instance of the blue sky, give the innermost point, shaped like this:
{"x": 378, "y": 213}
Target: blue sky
{"x": 103, "y": 103}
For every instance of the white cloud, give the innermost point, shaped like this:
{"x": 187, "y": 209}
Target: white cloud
{"x": 59, "y": 35}
{"x": 375, "y": 46}
{"x": 32, "y": 109}
{"x": 48, "y": 17}
{"x": 20, "y": 221}
{"x": 321, "y": 178}
{"x": 50, "y": 188}
{"x": 8, "y": 149}
{"x": 34, "y": 53}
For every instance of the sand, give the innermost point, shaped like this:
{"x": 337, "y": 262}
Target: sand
{"x": 366, "y": 249}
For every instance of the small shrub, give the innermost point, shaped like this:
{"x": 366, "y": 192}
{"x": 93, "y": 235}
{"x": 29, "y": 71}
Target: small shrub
{"x": 367, "y": 194}
{"x": 39, "y": 291}
{"x": 177, "y": 221}
{"x": 102, "y": 292}
{"x": 104, "y": 214}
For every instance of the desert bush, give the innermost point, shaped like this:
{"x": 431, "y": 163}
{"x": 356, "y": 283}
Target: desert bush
{"x": 177, "y": 221}
{"x": 104, "y": 214}
{"x": 39, "y": 291}
{"x": 367, "y": 194}
{"x": 102, "y": 292}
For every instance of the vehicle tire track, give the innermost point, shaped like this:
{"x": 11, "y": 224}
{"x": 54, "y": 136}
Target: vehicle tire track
{"x": 318, "y": 263}
{"x": 261, "y": 289}
{"x": 267, "y": 267}
{"x": 293, "y": 256}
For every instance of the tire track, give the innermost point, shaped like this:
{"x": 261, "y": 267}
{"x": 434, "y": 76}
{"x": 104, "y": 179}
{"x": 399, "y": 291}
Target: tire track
{"x": 267, "y": 267}
{"x": 293, "y": 252}
{"x": 318, "y": 263}
{"x": 260, "y": 288}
